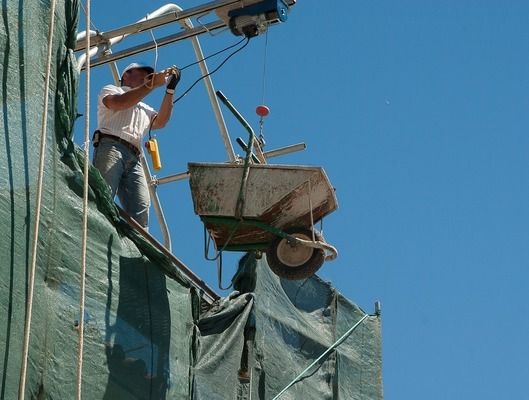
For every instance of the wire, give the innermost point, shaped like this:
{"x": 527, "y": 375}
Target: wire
{"x": 91, "y": 21}
{"x": 214, "y": 54}
{"x": 155, "y": 50}
{"x": 212, "y": 72}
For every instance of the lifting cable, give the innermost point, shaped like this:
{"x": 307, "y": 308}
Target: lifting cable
{"x": 84, "y": 229}
{"x": 38, "y": 203}
{"x": 262, "y": 110}
{"x": 265, "y": 57}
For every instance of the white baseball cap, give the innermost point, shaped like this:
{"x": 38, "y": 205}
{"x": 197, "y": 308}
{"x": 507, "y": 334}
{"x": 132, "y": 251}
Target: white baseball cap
{"x": 137, "y": 65}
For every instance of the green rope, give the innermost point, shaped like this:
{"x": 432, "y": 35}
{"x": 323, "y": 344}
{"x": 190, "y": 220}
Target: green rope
{"x": 239, "y": 208}
{"x": 325, "y": 353}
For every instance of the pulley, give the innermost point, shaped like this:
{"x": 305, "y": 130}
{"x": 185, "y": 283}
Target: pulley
{"x": 254, "y": 19}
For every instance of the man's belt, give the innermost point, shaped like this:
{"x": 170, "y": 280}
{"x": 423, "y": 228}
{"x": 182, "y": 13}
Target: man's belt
{"x": 98, "y": 135}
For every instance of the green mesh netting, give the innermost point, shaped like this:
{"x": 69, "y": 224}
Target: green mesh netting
{"x": 139, "y": 325}
{"x": 144, "y": 337}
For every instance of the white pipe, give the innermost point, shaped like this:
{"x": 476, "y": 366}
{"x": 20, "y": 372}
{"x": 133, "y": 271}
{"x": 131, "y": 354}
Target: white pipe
{"x": 160, "y": 42}
{"x": 167, "y": 18}
{"x": 156, "y": 204}
{"x": 171, "y": 178}
{"x": 160, "y": 11}
{"x": 82, "y": 58}
{"x": 93, "y": 52}
{"x": 82, "y": 35}
{"x": 285, "y": 150}
{"x": 115, "y": 72}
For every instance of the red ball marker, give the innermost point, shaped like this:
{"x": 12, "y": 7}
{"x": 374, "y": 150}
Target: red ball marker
{"x": 262, "y": 111}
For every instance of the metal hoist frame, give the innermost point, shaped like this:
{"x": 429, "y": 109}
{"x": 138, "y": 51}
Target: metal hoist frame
{"x": 101, "y": 53}
{"x": 157, "y": 18}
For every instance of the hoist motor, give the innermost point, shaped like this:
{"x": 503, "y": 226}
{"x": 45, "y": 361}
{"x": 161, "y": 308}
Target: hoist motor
{"x": 254, "y": 19}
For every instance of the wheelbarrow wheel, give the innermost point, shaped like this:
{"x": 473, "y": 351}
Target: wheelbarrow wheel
{"x": 294, "y": 261}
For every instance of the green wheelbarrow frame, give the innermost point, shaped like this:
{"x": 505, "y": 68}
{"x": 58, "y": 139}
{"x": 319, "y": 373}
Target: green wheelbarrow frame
{"x": 234, "y": 223}
{"x": 295, "y": 253}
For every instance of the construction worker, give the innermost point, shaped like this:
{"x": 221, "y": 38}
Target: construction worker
{"x": 122, "y": 120}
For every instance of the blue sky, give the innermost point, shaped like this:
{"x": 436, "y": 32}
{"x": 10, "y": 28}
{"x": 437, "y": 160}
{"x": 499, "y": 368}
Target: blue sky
{"x": 417, "y": 110}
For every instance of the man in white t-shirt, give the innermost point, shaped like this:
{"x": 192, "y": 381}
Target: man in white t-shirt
{"x": 122, "y": 120}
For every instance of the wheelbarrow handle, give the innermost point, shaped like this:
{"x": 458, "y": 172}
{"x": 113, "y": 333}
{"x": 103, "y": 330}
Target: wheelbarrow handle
{"x": 244, "y": 146}
{"x": 236, "y": 113}
{"x": 331, "y": 251}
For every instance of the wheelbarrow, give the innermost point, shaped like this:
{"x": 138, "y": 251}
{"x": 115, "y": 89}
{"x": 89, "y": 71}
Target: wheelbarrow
{"x": 266, "y": 208}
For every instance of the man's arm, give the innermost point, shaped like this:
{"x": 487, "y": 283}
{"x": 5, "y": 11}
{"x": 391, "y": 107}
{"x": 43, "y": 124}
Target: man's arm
{"x": 163, "y": 116}
{"x": 133, "y": 96}
{"x": 166, "y": 108}
{"x": 126, "y": 100}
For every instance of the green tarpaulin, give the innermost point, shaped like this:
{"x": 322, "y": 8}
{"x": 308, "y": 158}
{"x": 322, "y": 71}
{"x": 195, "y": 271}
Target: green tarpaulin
{"x": 273, "y": 329}
{"x": 148, "y": 332}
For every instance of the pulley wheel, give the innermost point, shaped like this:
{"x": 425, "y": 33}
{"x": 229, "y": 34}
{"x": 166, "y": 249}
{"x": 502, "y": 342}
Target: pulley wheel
{"x": 291, "y": 260}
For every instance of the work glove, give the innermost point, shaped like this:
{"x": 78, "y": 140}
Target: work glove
{"x": 173, "y": 80}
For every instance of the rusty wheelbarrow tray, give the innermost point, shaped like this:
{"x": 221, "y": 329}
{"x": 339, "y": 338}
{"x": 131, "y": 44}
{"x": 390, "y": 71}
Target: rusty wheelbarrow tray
{"x": 280, "y": 204}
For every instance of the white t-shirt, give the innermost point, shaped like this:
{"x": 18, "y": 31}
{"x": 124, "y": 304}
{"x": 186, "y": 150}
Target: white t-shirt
{"x": 129, "y": 124}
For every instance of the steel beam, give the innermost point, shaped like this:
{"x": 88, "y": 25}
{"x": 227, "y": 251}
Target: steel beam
{"x": 189, "y": 33}
{"x": 151, "y": 23}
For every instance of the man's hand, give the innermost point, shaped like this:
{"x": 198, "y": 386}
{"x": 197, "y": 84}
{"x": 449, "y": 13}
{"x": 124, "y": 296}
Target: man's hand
{"x": 174, "y": 79}
{"x": 155, "y": 80}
